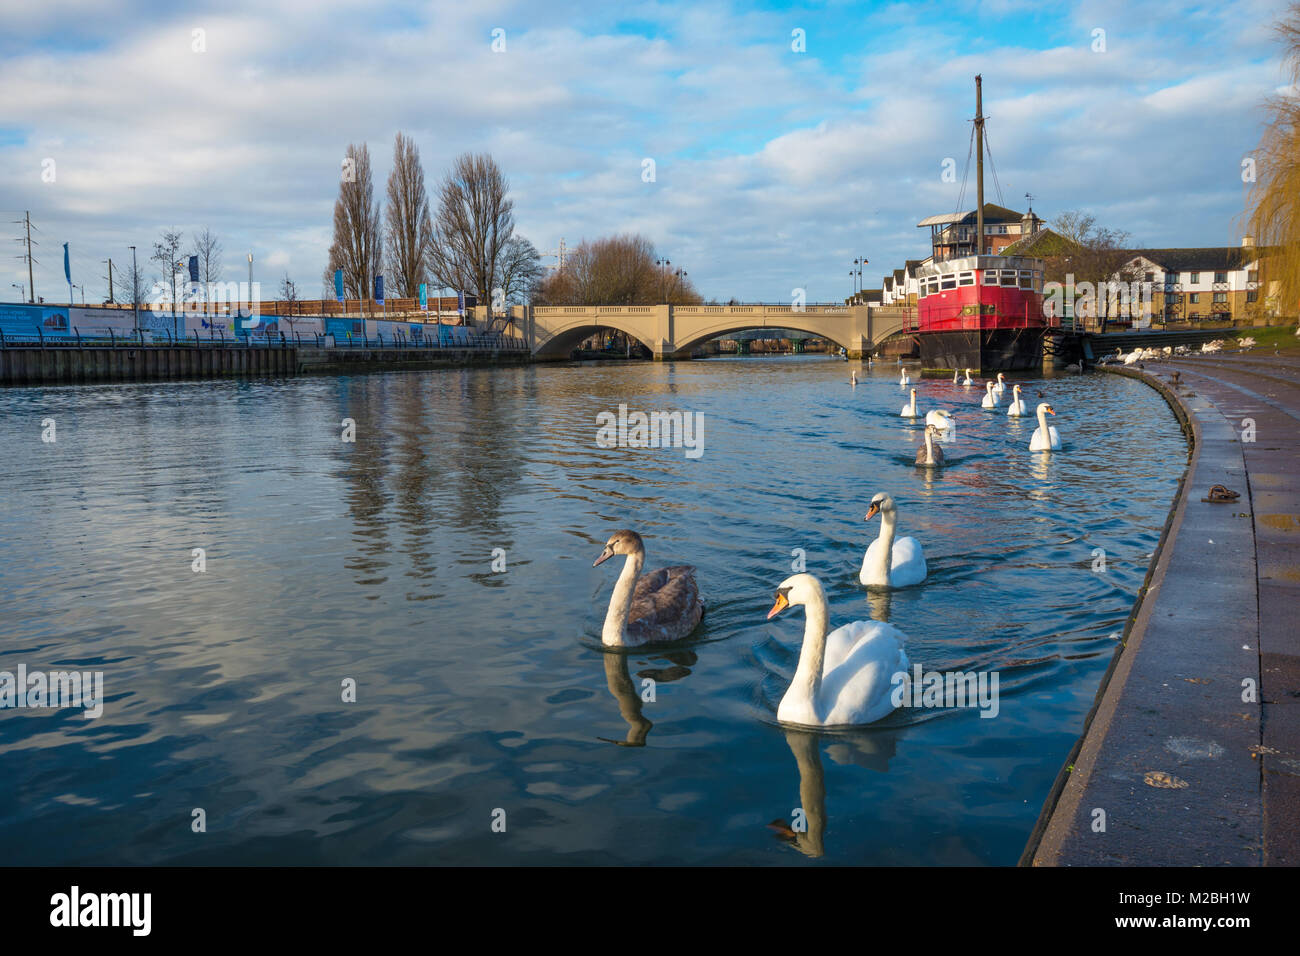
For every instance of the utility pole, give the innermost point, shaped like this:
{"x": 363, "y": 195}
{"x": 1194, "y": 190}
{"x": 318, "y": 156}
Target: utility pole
{"x": 26, "y": 221}
{"x": 135, "y": 291}
{"x": 110, "y": 282}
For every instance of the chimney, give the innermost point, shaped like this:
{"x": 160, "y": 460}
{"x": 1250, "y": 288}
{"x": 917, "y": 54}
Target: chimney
{"x": 1247, "y": 241}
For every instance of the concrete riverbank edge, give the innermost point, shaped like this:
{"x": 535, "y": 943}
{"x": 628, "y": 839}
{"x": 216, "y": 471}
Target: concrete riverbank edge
{"x": 1166, "y": 772}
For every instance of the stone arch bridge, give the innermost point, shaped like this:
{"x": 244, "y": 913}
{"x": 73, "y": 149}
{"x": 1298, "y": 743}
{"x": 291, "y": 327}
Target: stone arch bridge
{"x": 672, "y": 332}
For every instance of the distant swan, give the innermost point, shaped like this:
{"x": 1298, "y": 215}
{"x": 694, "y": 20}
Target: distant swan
{"x": 1001, "y": 386}
{"x": 990, "y": 396}
{"x": 1045, "y": 437}
{"x": 909, "y": 410}
{"x": 904, "y": 380}
{"x": 930, "y": 453}
{"x": 653, "y": 608}
{"x": 969, "y": 380}
{"x": 846, "y": 677}
{"x": 853, "y": 379}
{"x": 889, "y": 563}
{"x": 956, "y": 379}
{"x": 1017, "y": 407}
{"x": 940, "y": 418}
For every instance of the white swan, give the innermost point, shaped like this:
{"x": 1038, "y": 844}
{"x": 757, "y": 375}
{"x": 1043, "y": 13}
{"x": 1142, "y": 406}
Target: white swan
{"x": 969, "y": 380}
{"x": 955, "y": 378}
{"x": 1001, "y": 386}
{"x": 853, "y": 379}
{"x": 940, "y": 418}
{"x": 990, "y": 396}
{"x": 846, "y": 677}
{"x": 904, "y": 380}
{"x": 653, "y": 608}
{"x": 930, "y": 453}
{"x": 909, "y": 410}
{"x": 1045, "y": 437}
{"x": 889, "y": 563}
{"x": 1017, "y": 407}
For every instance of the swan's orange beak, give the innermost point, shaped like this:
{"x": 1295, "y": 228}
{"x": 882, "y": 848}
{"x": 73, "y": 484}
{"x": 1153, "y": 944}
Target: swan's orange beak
{"x": 780, "y": 605}
{"x": 872, "y": 511}
{"x": 1051, "y": 411}
{"x": 604, "y": 556}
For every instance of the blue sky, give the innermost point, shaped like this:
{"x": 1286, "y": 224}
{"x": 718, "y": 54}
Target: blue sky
{"x": 774, "y": 168}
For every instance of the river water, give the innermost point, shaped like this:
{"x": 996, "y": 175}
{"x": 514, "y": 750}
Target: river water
{"x": 483, "y": 698}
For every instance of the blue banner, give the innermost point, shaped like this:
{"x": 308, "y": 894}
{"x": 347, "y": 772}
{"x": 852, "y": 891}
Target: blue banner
{"x": 460, "y": 302}
{"x": 424, "y": 297}
{"x": 194, "y": 268}
{"x": 379, "y": 288}
{"x": 67, "y": 270}
{"x": 338, "y": 284}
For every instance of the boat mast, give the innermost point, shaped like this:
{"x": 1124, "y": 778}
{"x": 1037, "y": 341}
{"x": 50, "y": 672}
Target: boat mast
{"x": 979, "y": 165}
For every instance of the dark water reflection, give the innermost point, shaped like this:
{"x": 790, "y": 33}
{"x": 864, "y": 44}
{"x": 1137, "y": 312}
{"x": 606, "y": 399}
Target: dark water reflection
{"x": 480, "y": 689}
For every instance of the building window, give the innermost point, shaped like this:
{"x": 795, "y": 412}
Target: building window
{"x": 1220, "y": 297}
{"x": 1194, "y": 298}
{"x": 1150, "y": 277}
{"x": 1196, "y": 277}
{"x": 1252, "y": 295}
{"x": 1026, "y": 280}
{"x": 1221, "y": 277}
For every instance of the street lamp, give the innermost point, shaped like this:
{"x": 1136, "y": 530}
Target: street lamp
{"x": 135, "y": 290}
{"x": 663, "y": 265}
{"x": 22, "y": 290}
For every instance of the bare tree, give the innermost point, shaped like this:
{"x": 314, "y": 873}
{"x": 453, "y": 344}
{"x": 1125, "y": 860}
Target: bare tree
{"x": 475, "y": 222}
{"x": 208, "y": 248}
{"x": 519, "y": 272}
{"x": 616, "y": 270}
{"x": 409, "y": 225}
{"x": 289, "y": 294}
{"x": 131, "y": 281}
{"x": 166, "y": 252}
{"x": 1273, "y": 209}
{"x": 358, "y": 246}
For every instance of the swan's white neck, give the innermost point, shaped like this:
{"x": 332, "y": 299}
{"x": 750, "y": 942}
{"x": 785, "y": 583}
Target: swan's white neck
{"x": 885, "y": 553}
{"x": 929, "y": 450}
{"x": 812, "y": 656}
{"x": 1042, "y": 421}
{"x": 620, "y": 602}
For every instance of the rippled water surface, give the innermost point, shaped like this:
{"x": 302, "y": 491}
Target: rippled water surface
{"x": 480, "y": 690}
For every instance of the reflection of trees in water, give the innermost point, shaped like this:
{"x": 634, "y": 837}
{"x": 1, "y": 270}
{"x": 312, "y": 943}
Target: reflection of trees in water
{"x": 364, "y": 465}
{"x": 487, "y": 450}
{"x": 415, "y": 483}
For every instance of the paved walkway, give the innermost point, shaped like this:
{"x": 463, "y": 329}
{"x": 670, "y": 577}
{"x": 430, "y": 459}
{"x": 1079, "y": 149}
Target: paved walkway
{"x": 1192, "y": 756}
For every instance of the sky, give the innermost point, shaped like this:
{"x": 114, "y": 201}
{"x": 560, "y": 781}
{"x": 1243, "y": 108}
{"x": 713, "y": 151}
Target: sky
{"x": 787, "y": 140}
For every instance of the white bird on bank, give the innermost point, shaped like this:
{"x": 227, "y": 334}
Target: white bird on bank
{"x": 1045, "y": 437}
{"x": 1017, "y": 408}
{"x": 940, "y": 418}
{"x": 910, "y": 410}
{"x": 990, "y": 396}
{"x": 969, "y": 380}
{"x": 891, "y": 563}
{"x": 846, "y": 677}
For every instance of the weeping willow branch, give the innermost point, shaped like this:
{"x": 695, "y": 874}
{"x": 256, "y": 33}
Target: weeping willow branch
{"x": 1273, "y": 204}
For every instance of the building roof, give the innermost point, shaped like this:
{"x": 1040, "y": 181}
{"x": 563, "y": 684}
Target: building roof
{"x": 1208, "y": 259}
{"x": 992, "y": 213}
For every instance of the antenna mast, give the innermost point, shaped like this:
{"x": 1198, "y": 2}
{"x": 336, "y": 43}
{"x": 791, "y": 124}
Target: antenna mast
{"x": 979, "y": 165}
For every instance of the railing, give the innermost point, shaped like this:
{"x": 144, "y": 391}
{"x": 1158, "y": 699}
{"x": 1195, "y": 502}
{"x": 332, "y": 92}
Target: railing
{"x": 165, "y": 338}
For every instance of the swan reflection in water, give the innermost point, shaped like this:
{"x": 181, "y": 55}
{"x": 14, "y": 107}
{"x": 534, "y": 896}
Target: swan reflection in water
{"x": 805, "y": 830}
{"x": 618, "y": 679}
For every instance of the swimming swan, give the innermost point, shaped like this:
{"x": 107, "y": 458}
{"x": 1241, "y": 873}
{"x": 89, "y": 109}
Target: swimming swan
{"x": 889, "y": 563}
{"x": 1045, "y": 437}
{"x": 653, "y": 608}
{"x": 904, "y": 380}
{"x": 930, "y": 453}
{"x": 909, "y": 410}
{"x": 1001, "y": 386}
{"x": 990, "y": 396}
{"x": 969, "y": 380}
{"x": 1018, "y": 406}
{"x": 940, "y": 418}
{"x": 844, "y": 678}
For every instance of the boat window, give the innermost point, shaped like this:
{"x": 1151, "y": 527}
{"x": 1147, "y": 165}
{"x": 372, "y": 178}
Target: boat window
{"x": 966, "y": 278}
{"x": 1026, "y": 280}
{"x": 948, "y": 282}
{"x": 990, "y": 276}
{"x": 1008, "y": 277}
